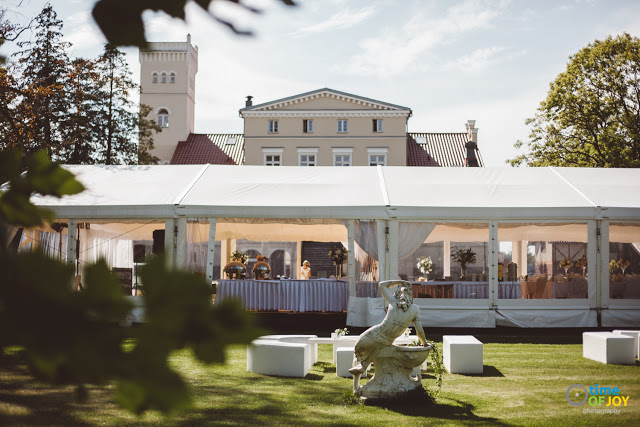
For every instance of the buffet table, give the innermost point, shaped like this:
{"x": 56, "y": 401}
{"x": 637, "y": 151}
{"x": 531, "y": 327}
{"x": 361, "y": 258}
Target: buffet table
{"x": 289, "y": 295}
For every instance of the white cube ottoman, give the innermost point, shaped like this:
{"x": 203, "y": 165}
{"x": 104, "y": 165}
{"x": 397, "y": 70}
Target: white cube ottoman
{"x": 635, "y": 335}
{"x": 608, "y": 348}
{"x": 344, "y": 362}
{"x": 344, "y": 341}
{"x": 284, "y": 359}
{"x": 462, "y": 354}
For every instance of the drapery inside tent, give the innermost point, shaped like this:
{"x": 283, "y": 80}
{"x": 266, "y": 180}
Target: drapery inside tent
{"x": 366, "y": 250}
{"x": 411, "y": 235}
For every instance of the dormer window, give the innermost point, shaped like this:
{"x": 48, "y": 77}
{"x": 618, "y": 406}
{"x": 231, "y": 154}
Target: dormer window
{"x": 154, "y": 78}
{"x": 163, "y": 118}
{"x": 163, "y": 79}
{"x": 172, "y": 78}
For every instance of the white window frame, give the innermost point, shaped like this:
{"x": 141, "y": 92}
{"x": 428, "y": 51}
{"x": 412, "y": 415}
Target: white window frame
{"x": 343, "y": 125}
{"x": 307, "y": 126}
{"x": 163, "y": 77}
{"x": 307, "y": 152}
{"x": 154, "y": 77}
{"x": 163, "y": 118}
{"x": 172, "y": 77}
{"x": 272, "y": 126}
{"x": 272, "y": 152}
{"x": 377, "y": 152}
{"x": 377, "y": 125}
{"x": 342, "y": 151}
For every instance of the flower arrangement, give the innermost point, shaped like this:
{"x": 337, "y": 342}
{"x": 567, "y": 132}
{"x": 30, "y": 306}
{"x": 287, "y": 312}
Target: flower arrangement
{"x": 613, "y": 266}
{"x": 406, "y": 332}
{"x": 425, "y": 265}
{"x": 240, "y": 256}
{"x": 341, "y": 332}
{"x": 623, "y": 264}
{"x": 565, "y": 264}
{"x": 463, "y": 257}
{"x": 338, "y": 254}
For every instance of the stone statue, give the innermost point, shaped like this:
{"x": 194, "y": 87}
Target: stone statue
{"x": 393, "y": 363}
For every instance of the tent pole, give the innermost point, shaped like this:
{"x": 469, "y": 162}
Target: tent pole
{"x": 382, "y": 250}
{"x": 169, "y": 243}
{"x": 181, "y": 243}
{"x": 393, "y": 250}
{"x": 494, "y": 249}
{"x": 351, "y": 262}
{"x": 211, "y": 249}
{"x": 72, "y": 238}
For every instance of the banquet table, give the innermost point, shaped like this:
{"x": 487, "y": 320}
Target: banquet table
{"x": 288, "y": 295}
{"x": 447, "y": 289}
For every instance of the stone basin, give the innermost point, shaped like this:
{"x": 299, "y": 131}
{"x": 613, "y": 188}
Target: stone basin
{"x": 393, "y": 371}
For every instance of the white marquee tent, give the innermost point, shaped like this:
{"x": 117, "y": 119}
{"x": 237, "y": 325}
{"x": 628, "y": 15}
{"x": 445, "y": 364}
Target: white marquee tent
{"x": 380, "y": 209}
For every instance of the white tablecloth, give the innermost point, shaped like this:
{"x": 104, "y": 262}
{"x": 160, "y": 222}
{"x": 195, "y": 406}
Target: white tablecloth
{"x": 290, "y": 295}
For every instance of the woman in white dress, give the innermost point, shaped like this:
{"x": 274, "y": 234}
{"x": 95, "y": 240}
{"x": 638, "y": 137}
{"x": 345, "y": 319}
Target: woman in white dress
{"x": 305, "y": 270}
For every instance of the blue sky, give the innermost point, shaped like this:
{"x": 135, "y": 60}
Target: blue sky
{"x": 449, "y": 61}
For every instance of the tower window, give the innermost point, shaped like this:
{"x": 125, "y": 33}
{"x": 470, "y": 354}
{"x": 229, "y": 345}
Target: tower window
{"x": 163, "y": 78}
{"x": 172, "y": 78}
{"x": 154, "y": 78}
{"x": 163, "y": 118}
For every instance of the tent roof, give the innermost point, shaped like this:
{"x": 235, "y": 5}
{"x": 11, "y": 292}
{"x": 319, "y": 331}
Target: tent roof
{"x": 267, "y": 194}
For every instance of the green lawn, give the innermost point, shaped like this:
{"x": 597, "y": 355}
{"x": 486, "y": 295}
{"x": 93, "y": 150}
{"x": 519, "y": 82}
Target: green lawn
{"x": 524, "y": 383}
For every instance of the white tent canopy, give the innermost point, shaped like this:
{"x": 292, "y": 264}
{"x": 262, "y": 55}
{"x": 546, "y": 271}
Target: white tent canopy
{"x": 302, "y": 194}
{"x": 466, "y": 204}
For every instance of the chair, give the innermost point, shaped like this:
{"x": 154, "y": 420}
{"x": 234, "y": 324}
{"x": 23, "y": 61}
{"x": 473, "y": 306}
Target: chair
{"x": 541, "y": 283}
{"x": 579, "y": 287}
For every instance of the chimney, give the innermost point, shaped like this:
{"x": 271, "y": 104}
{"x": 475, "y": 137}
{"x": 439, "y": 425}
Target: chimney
{"x": 249, "y": 103}
{"x": 472, "y": 130}
{"x": 188, "y": 39}
{"x": 471, "y": 161}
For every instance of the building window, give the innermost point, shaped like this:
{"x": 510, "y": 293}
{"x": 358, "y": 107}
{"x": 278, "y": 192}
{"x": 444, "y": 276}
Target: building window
{"x": 272, "y": 160}
{"x": 307, "y": 126}
{"x": 377, "y": 156}
{"x": 163, "y": 118}
{"x": 342, "y": 126}
{"x": 307, "y": 160}
{"x": 272, "y": 156}
{"x": 273, "y": 126}
{"x": 154, "y": 78}
{"x": 172, "y": 79}
{"x": 308, "y": 156}
{"x": 163, "y": 79}
{"x": 342, "y": 160}
{"x": 377, "y": 125}
{"x": 342, "y": 156}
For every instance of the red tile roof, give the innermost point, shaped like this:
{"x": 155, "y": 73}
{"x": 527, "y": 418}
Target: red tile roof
{"x": 219, "y": 149}
{"x": 438, "y": 149}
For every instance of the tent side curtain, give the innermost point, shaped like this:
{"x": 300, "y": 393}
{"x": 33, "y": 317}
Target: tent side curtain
{"x": 366, "y": 250}
{"x": 411, "y": 235}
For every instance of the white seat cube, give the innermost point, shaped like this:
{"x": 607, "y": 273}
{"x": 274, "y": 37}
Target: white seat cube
{"x": 301, "y": 339}
{"x": 284, "y": 359}
{"x": 635, "y": 335}
{"x": 462, "y": 354}
{"x": 344, "y": 341}
{"x": 608, "y": 348}
{"x": 344, "y": 362}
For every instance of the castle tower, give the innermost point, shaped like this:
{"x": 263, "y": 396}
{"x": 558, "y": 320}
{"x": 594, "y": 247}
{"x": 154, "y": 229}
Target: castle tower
{"x": 167, "y": 79}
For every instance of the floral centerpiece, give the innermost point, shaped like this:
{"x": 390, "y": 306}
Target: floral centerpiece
{"x": 425, "y": 265}
{"x": 582, "y": 262}
{"x": 239, "y": 256}
{"x": 338, "y": 255}
{"x": 623, "y": 264}
{"x": 340, "y": 332}
{"x": 565, "y": 264}
{"x": 463, "y": 257}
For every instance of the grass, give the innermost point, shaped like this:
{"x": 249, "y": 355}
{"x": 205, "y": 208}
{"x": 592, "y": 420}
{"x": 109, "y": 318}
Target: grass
{"x": 524, "y": 383}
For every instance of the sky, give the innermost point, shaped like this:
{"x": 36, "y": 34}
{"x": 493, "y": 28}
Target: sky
{"x": 449, "y": 61}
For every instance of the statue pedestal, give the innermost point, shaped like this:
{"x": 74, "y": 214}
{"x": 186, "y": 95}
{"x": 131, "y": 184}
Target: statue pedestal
{"x": 394, "y": 366}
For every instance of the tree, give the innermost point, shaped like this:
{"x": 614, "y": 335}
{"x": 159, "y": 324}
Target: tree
{"x": 44, "y": 67}
{"x": 591, "y": 116}
{"x": 117, "y": 121}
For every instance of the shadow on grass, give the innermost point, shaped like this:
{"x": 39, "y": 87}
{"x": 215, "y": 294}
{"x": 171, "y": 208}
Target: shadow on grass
{"x": 325, "y": 367}
{"x": 487, "y": 371}
{"x": 420, "y": 404}
{"x": 314, "y": 377}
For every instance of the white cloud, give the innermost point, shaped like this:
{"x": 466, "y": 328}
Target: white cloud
{"x": 395, "y": 49}
{"x": 346, "y": 18}
{"x": 481, "y": 59}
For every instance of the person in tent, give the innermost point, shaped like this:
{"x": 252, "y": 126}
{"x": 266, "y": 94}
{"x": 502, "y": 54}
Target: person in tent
{"x": 305, "y": 270}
